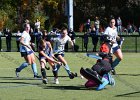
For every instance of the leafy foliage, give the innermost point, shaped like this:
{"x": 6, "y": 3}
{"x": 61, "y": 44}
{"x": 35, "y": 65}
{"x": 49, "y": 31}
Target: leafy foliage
{"x": 52, "y": 13}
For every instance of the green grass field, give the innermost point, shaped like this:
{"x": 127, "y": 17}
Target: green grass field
{"x": 27, "y": 88}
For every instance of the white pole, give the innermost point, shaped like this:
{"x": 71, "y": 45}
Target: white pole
{"x": 70, "y": 14}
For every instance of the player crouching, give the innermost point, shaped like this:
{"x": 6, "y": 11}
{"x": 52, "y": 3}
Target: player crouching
{"x": 99, "y": 76}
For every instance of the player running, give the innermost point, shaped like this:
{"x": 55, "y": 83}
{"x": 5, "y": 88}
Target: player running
{"x": 112, "y": 31}
{"x": 60, "y": 42}
{"x": 26, "y": 52}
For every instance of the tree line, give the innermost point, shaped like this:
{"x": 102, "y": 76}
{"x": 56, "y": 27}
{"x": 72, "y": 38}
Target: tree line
{"x": 53, "y": 13}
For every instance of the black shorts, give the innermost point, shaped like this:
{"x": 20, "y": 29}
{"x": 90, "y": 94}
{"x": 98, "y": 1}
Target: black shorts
{"x": 24, "y": 54}
{"x": 56, "y": 55}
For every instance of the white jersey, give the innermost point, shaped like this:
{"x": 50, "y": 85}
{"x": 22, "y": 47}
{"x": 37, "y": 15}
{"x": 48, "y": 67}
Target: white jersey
{"x": 113, "y": 33}
{"x": 26, "y": 39}
{"x": 60, "y": 43}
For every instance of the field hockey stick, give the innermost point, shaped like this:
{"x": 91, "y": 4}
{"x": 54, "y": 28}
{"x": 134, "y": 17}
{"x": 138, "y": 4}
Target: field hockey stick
{"x": 93, "y": 56}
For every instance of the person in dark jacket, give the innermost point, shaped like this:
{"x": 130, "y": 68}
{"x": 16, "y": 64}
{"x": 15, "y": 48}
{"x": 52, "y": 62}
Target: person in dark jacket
{"x": 8, "y": 35}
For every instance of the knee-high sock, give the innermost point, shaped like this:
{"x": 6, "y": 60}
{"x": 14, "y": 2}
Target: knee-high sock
{"x": 43, "y": 72}
{"x": 115, "y": 63}
{"x": 67, "y": 69}
{"x": 57, "y": 66}
{"x": 34, "y": 68}
{"x": 22, "y": 66}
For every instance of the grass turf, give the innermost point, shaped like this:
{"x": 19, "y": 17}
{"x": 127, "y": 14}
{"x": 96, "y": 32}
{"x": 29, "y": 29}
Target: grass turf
{"x": 27, "y": 88}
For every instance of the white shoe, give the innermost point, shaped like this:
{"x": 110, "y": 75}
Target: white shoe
{"x": 56, "y": 81}
{"x": 17, "y": 73}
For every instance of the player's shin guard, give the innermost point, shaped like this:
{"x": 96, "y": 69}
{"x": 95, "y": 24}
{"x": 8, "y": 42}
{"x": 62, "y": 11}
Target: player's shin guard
{"x": 43, "y": 72}
{"x": 23, "y": 65}
{"x": 115, "y": 62}
{"x": 57, "y": 66}
{"x": 34, "y": 69}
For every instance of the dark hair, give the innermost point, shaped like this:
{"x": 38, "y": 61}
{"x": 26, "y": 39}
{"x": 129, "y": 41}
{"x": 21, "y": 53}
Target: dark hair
{"x": 63, "y": 28}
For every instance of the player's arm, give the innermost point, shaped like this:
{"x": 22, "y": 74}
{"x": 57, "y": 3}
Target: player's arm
{"x": 47, "y": 57}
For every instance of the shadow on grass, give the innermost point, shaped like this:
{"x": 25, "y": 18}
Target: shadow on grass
{"x": 68, "y": 87}
{"x": 26, "y": 78}
{"x": 132, "y": 94}
{"x": 19, "y": 78}
{"x": 17, "y": 84}
{"x": 129, "y": 74}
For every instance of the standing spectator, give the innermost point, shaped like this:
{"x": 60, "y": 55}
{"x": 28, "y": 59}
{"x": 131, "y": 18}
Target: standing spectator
{"x": 119, "y": 25}
{"x": 85, "y": 37}
{"x": 37, "y": 24}
{"x": 32, "y": 35}
{"x": 8, "y": 35}
{"x": 18, "y": 34}
{"x": 87, "y": 25}
{"x": 38, "y": 35}
{"x": 97, "y": 25}
{"x": 129, "y": 29}
{"x": 71, "y": 34}
{"x": 94, "y": 38}
{"x": 0, "y": 41}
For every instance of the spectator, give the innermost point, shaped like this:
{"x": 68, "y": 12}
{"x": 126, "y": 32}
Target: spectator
{"x": 37, "y": 24}
{"x": 38, "y": 35}
{"x": 71, "y": 34}
{"x": 85, "y": 37}
{"x": 88, "y": 25}
{"x": 130, "y": 29}
{"x": 8, "y": 35}
{"x": 97, "y": 25}
{"x": 94, "y": 38}
{"x": 32, "y": 35}
{"x": 18, "y": 34}
{"x": 119, "y": 25}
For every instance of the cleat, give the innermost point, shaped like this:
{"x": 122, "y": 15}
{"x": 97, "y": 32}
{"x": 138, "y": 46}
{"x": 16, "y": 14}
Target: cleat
{"x": 56, "y": 81}
{"x": 102, "y": 86}
{"x": 71, "y": 75}
{"x": 17, "y": 73}
{"x": 113, "y": 71}
{"x": 45, "y": 81}
{"x": 112, "y": 82}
